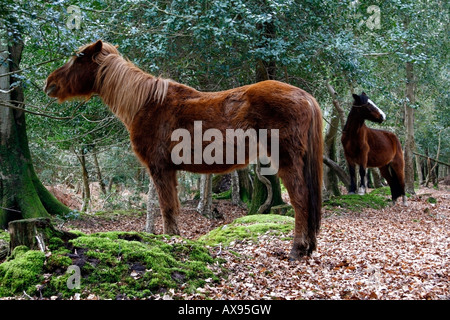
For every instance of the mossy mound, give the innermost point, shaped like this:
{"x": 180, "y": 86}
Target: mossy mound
{"x": 248, "y": 227}
{"x": 21, "y": 271}
{"x": 377, "y": 199}
{"x": 111, "y": 265}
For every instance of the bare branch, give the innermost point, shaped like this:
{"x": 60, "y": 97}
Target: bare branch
{"x": 24, "y": 69}
{"x": 7, "y": 91}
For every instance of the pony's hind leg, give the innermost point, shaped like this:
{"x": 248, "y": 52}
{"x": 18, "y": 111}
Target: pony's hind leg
{"x": 351, "y": 170}
{"x": 395, "y": 184}
{"x": 398, "y": 167}
{"x": 304, "y": 241}
{"x": 362, "y": 184}
{"x": 166, "y": 187}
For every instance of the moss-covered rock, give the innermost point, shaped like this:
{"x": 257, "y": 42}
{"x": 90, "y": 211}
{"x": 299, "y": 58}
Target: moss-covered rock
{"x": 248, "y": 227}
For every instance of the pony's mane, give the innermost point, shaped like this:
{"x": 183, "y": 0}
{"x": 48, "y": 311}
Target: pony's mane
{"x": 124, "y": 87}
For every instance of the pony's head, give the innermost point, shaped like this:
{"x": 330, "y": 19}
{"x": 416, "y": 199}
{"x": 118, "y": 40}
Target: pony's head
{"x": 367, "y": 109}
{"x": 77, "y": 77}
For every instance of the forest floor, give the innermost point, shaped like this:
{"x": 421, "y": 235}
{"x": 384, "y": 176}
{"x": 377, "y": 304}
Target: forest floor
{"x": 391, "y": 253}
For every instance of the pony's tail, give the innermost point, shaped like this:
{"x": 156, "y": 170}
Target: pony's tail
{"x": 313, "y": 171}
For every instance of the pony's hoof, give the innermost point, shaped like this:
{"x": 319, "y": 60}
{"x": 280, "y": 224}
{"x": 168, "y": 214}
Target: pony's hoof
{"x": 362, "y": 191}
{"x": 300, "y": 251}
{"x": 351, "y": 192}
{"x": 297, "y": 253}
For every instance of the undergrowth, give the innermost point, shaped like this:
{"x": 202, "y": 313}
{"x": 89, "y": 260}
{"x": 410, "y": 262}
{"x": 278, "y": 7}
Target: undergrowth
{"x": 112, "y": 265}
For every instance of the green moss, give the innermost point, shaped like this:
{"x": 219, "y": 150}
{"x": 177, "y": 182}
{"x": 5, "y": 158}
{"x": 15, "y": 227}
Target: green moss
{"x": 133, "y": 264}
{"x": 223, "y": 195}
{"x": 21, "y": 272}
{"x": 248, "y": 227}
{"x": 431, "y": 200}
{"x": 383, "y": 191}
{"x": 377, "y": 199}
{"x": 4, "y": 235}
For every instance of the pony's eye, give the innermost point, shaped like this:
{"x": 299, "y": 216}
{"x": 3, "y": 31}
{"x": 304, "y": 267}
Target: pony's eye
{"x": 80, "y": 54}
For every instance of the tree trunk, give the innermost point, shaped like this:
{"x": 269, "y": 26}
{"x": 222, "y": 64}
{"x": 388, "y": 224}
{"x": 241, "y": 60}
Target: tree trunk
{"x": 99, "y": 171}
{"x": 341, "y": 173}
{"x": 331, "y": 179}
{"x": 22, "y": 194}
{"x": 204, "y": 206}
{"x": 409, "y": 124}
{"x": 376, "y": 178}
{"x": 152, "y": 207}
{"x": 419, "y": 169}
{"x": 34, "y": 233}
{"x": 245, "y": 185}
{"x": 85, "y": 178}
{"x": 265, "y": 70}
{"x": 260, "y": 196}
{"x": 235, "y": 196}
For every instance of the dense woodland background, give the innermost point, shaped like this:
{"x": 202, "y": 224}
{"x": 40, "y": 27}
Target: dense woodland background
{"x": 395, "y": 51}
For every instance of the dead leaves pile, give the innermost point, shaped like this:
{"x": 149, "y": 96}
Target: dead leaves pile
{"x": 390, "y": 254}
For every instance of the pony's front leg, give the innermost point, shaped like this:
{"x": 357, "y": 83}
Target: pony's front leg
{"x": 351, "y": 169}
{"x": 166, "y": 186}
{"x": 362, "y": 185}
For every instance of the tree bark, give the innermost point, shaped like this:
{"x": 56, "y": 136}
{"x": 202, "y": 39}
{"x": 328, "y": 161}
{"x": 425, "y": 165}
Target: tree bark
{"x": 99, "y": 171}
{"x": 341, "y": 173}
{"x": 409, "y": 124}
{"x": 204, "y": 206}
{"x": 331, "y": 179}
{"x": 245, "y": 184}
{"x": 260, "y": 194}
{"x": 266, "y": 70}
{"x": 85, "y": 179}
{"x": 235, "y": 195}
{"x": 22, "y": 194}
{"x": 152, "y": 208}
{"x": 34, "y": 233}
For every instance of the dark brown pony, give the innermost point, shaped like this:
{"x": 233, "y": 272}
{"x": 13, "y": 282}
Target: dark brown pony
{"x": 153, "y": 108}
{"x": 371, "y": 148}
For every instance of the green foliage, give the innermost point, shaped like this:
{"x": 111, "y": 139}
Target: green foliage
{"x": 248, "y": 227}
{"x": 215, "y": 45}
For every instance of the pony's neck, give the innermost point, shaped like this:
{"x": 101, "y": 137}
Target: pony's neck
{"x": 126, "y": 89}
{"x": 354, "y": 122}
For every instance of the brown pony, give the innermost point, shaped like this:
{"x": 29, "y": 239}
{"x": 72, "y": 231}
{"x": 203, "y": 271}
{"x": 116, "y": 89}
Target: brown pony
{"x": 371, "y": 148}
{"x": 153, "y": 108}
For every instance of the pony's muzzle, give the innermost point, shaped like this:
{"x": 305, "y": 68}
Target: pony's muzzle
{"x": 49, "y": 89}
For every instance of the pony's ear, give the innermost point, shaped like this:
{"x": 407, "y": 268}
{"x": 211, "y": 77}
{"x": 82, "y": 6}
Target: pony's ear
{"x": 356, "y": 98}
{"x": 364, "y": 94}
{"x": 98, "y": 46}
{"x": 93, "y": 48}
